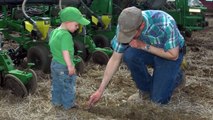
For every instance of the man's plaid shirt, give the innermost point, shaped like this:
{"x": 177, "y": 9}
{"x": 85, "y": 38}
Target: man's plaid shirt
{"x": 160, "y": 31}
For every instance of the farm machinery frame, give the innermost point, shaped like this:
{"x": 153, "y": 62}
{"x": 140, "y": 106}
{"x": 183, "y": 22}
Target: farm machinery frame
{"x": 83, "y": 40}
{"x": 29, "y": 23}
{"x": 30, "y": 32}
{"x": 20, "y": 82}
{"x": 104, "y": 14}
{"x": 189, "y": 17}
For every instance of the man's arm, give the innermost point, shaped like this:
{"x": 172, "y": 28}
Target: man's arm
{"x": 111, "y": 68}
{"x": 171, "y": 54}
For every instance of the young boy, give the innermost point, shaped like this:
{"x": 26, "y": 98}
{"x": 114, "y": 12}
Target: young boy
{"x": 62, "y": 66}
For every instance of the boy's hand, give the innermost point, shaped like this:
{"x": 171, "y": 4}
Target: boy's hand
{"x": 71, "y": 70}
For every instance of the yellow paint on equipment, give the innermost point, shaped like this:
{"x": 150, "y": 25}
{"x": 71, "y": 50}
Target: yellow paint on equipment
{"x": 106, "y": 19}
{"x": 43, "y": 26}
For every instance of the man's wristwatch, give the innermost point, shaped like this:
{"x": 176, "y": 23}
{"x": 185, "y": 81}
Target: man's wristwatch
{"x": 147, "y": 47}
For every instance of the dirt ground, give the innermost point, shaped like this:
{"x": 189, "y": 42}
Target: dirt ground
{"x": 193, "y": 102}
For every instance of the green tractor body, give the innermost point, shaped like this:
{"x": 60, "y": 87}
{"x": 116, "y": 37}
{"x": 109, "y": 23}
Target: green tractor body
{"x": 30, "y": 30}
{"x": 188, "y": 18}
{"x": 20, "y": 83}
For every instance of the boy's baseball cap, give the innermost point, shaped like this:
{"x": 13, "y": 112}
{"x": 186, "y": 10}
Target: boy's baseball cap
{"x": 72, "y": 14}
{"x": 129, "y": 21}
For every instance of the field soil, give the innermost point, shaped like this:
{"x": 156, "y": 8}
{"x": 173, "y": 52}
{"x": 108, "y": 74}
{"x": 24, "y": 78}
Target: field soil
{"x": 193, "y": 102}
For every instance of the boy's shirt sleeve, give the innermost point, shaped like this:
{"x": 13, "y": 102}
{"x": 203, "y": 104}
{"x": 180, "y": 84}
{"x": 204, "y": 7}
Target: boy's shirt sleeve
{"x": 67, "y": 42}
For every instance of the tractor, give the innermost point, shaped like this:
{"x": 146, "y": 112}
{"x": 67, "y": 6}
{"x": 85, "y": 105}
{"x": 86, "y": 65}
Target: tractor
{"x": 29, "y": 23}
{"x": 29, "y": 27}
{"x": 188, "y": 15}
{"x": 20, "y": 83}
{"x": 104, "y": 14}
{"x": 84, "y": 44}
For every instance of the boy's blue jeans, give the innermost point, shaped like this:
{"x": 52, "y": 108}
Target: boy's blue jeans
{"x": 63, "y": 86}
{"x": 167, "y": 74}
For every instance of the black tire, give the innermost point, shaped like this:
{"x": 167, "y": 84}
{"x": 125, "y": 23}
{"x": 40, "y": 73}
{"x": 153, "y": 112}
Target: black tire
{"x": 155, "y": 4}
{"x": 1, "y": 40}
{"x": 32, "y": 84}
{"x": 79, "y": 46}
{"x": 55, "y": 11}
{"x": 101, "y": 41}
{"x": 79, "y": 66}
{"x": 15, "y": 85}
{"x": 18, "y": 14}
{"x": 185, "y": 32}
{"x": 188, "y": 33}
{"x": 40, "y": 56}
{"x": 100, "y": 57}
{"x": 158, "y": 4}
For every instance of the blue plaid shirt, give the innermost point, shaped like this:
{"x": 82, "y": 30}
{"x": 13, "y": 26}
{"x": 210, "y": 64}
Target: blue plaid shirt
{"x": 160, "y": 31}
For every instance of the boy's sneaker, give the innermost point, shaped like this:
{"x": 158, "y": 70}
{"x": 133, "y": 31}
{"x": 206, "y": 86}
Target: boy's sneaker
{"x": 143, "y": 95}
{"x": 75, "y": 106}
{"x": 56, "y": 104}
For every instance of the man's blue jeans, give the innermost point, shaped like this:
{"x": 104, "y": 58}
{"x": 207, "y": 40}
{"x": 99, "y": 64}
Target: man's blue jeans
{"x": 63, "y": 86}
{"x": 167, "y": 74}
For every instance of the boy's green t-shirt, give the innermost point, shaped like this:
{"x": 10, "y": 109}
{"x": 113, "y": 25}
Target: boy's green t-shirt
{"x": 59, "y": 41}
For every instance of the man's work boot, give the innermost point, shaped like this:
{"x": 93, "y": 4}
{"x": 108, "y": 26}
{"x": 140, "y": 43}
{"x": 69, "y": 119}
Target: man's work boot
{"x": 138, "y": 97}
{"x": 182, "y": 83}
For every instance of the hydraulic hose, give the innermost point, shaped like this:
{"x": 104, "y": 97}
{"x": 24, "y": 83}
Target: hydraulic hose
{"x": 60, "y": 6}
{"x": 31, "y": 20}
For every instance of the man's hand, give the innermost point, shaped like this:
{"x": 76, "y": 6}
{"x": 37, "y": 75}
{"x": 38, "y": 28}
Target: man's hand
{"x": 137, "y": 44}
{"x": 94, "y": 98}
{"x": 171, "y": 54}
